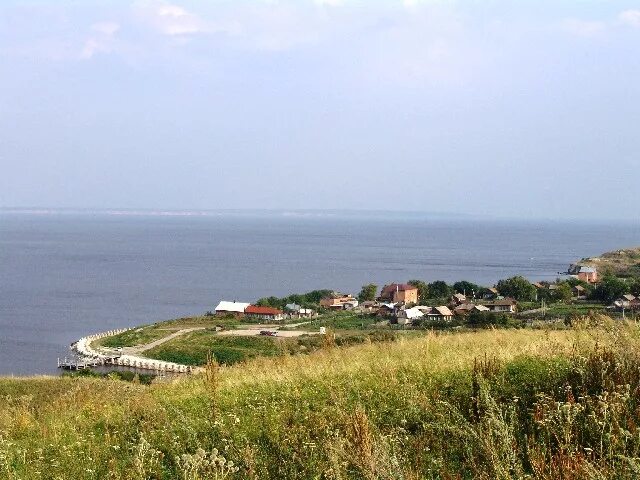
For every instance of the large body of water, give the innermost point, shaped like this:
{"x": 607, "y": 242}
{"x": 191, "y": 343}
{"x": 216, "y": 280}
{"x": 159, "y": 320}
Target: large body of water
{"x": 65, "y": 276}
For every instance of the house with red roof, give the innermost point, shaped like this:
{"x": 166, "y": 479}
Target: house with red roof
{"x": 255, "y": 312}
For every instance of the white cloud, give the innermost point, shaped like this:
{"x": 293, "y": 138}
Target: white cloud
{"x": 584, "y": 28}
{"x": 630, "y": 17}
{"x": 591, "y": 28}
{"x": 329, "y": 3}
{"x": 170, "y": 19}
{"x": 101, "y": 41}
{"x": 172, "y": 11}
{"x": 107, "y": 28}
{"x": 175, "y": 21}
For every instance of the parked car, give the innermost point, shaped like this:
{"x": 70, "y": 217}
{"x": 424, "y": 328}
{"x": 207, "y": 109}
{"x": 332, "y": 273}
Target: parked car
{"x": 268, "y": 333}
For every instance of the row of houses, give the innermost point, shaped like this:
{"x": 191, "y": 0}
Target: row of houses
{"x": 578, "y": 291}
{"x": 257, "y": 312}
{"x": 409, "y": 315}
{"x": 627, "y": 302}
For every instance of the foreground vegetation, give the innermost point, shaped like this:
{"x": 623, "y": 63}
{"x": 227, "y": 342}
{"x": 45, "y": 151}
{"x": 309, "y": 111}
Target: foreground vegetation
{"x": 489, "y": 404}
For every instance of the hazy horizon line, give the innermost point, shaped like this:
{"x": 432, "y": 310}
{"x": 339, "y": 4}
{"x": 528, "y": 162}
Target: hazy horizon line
{"x": 295, "y": 212}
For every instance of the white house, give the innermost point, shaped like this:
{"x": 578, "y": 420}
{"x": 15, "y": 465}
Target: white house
{"x": 406, "y": 317}
{"x": 231, "y": 308}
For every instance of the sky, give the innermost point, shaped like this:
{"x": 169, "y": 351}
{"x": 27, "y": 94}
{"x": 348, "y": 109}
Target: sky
{"x": 527, "y": 109}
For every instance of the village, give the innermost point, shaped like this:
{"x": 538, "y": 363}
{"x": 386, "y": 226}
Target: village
{"x": 406, "y": 304}
{"x": 235, "y": 331}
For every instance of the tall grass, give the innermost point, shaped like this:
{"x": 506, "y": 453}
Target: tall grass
{"x": 492, "y": 404}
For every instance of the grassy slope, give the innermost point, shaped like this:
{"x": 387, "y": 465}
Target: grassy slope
{"x": 378, "y": 410}
{"x": 192, "y": 348}
{"x": 625, "y": 262}
{"x": 150, "y": 333}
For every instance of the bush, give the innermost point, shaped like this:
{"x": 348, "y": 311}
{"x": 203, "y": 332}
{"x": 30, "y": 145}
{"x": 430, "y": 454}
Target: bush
{"x": 485, "y": 319}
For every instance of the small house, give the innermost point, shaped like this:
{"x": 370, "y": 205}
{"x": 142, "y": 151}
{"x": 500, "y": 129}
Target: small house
{"x": 338, "y": 301}
{"x": 297, "y": 311}
{"x": 441, "y": 314}
{"x": 369, "y": 306}
{"x": 399, "y": 292}
{"x": 234, "y": 308}
{"x": 587, "y": 274}
{"x": 458, "y": 299}
{"x": 256, "y": 312}
{"x": 490, "y": 293}
{"x": 386, "y": 310}
{"x": 292, "y": 307}
{"x": 627, "y": 302}
{"x": 467, "y": 308}
{"x": 464, "y": 309}
{"x": 505, "y": 305}
{"x": 579, "y": 292}
{"x": 407, "y": 316}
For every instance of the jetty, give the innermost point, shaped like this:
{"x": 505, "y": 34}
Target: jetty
{"x": 87, "y": 357}
{"x": 81, "y": 363}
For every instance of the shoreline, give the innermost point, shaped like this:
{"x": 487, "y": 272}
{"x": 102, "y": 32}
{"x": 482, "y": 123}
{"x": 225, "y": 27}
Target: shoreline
{"x": 84, "y": 349}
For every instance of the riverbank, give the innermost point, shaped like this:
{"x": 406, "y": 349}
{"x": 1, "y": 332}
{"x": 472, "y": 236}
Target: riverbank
{"x": 68, "y": 276}
{"x": 182, "y": 345}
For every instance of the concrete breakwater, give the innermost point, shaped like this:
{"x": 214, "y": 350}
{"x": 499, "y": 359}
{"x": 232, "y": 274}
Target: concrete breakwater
{"x": 84, "y": 348}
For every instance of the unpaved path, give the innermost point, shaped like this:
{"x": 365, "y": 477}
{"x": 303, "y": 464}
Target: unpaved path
{"x": 251, "y": 332}
{"x": 247, "y": 331}
{"x": 141, "y": 348}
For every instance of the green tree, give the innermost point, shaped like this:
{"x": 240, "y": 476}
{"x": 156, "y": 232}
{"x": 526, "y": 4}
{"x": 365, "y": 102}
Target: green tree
{"x": 563, "y": 293}
{"x": 483, "y": 319}
{"x": 517, "y": 287}
{"x": 439, "y": 289}
{"x": 368, "y": 292}
{"x": 423, "y": 289}
{"x": 273, "y": 302}
{"x": 466, "y": 288}
{"x": 610, "y": 288}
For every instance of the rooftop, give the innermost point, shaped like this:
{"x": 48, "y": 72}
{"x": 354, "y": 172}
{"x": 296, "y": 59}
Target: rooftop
{"x": 225, "y": 306}
{"x": 256, "y": 310}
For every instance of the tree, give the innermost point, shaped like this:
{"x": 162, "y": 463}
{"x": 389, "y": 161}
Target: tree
{"x": 307, "y": 300}
{"x": 273, "y": 302}
{"x": 423, "y": 290}
{"x": 466, "y": 288}
{"x": 439, "y": 289}
{"x": 563, "y": 293}
{"x": 483, "y": 319}
{"x": 368, "y": 292}
{"x": 517, "y": 287}
{"x": 610, "y": 288}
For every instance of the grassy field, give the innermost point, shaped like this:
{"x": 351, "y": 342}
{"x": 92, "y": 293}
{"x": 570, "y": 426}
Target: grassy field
{"x": 561, "y": 310}
{"x": 342, "y": 321}
{"x": 492, "y": 404}
{"x": 193, "y": 348}
{"x": 156, "y": 331}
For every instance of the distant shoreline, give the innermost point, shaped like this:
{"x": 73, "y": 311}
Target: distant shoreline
{"x": 320, "y": 214}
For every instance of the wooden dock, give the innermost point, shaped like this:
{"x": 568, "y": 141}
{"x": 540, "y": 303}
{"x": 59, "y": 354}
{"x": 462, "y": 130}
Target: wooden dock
{"x": 82, "y": 363}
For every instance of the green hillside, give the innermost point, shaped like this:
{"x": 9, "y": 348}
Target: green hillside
{"x": 492, "y": 404}
{"x": 624, "y": 262}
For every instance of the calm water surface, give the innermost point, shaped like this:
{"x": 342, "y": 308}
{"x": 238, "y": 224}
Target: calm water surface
{"x": 65, "y": 276}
